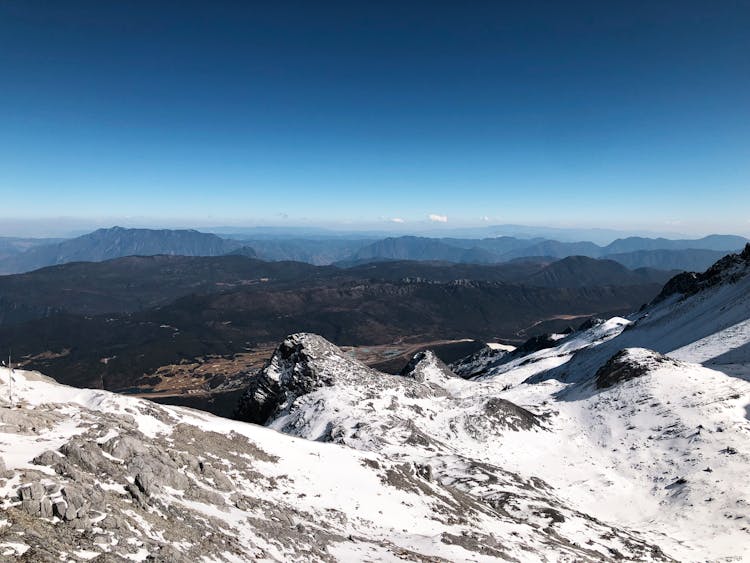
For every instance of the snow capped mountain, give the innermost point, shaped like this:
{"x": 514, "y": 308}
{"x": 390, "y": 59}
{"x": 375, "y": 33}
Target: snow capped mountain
{"x": 609, "y": 443}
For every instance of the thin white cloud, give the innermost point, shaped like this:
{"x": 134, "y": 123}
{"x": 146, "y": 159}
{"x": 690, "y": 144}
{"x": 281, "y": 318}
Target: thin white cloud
{"x": 435, "y": 218}
{"x": 397, "y": 220}
{"x": 485, "y": 219}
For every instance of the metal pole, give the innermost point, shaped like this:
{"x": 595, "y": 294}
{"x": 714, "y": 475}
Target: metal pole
{"x": 10, "y": 379}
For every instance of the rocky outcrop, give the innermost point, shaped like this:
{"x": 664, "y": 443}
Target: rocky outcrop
{"x": 728, "y": 269}
{"x": 628, "y": 364}
{"x": 302, "y": 363}
{"x": 479, "y": 363}
{"x": 426, "y": 367}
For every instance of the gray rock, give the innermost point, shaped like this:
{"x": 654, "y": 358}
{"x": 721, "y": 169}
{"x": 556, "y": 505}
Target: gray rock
{"x": 31, "y": 507}
{"x": 58, "y": 509}
{"x": 52, "y": 489}
{"x": 71, "y": 513}
{"x": 46, "y": 508}
{"x": 219, "y": 479}
{"x": 77, "y": 503}
{"x": 48, "y": 458}
{"x": 137, "y": 495}
{"x": 124, "y": 447}
{"x": 85, "y": 455}
{"x": 143, "y": 482}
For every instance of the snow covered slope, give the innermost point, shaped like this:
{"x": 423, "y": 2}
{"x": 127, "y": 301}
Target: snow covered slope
{"x": 613, "y": 428}
{"x": 88, "y": 472}
{"x": 610, "y": 443}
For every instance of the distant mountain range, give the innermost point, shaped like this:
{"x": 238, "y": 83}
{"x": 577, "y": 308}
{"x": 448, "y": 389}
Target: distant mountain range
{"x": 12, "y": 246}
{"x": 136, "y": 283}
{"x": 634, "y": 252}
{"x": 105, "y": 244}
{"x": 24, "y": 255}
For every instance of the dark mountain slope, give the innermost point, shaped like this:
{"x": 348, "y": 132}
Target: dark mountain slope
{"x": 420, "y": 248}
{"x": 116, "y": 351}
{"x": 397, "y": 270}
{"x": 135, "y": 283}
{"x": 724, "y": 243}
{"x": 690, "y": 260}
{"x": 556, "y": 249}
{"x": 312, "y": 251}
{"x": 580, "y": 271}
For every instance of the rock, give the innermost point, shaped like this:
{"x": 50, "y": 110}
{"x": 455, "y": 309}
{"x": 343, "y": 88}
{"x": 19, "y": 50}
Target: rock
{"x": 302, "y": 363}
{"x": 52, "y": 489}
{"x": 77, "y": 504}
{"x": 137, "y": 495}
{"x": 71, "y": 513}
{"x": 628, "y": 364}
{"x": 505, "y": 414}
{"x": 424, "y": 471}
{"x": 426, "y": 367}
{"x": 33, "y": 491}
{"x": 58, "y": 509}
{"x": 143, "y": 482}
{"x": 125, "y": 446}
{"x": 536, "y": 343}
{"x": 589, "y": 323}
{"x": 48, "y": 458}
{"x": 156, "y": 470}
{"x": 220, "y": 480}
{"x": 85, "y": 454}
{"x": 46, "y": 508}
{"x": 728, "y": 269}
{"x": 31, "y": 507}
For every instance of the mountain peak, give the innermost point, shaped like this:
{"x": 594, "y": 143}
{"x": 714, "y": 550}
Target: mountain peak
{"x": 728, "y": 269}
{"x": 302, "y": 363}
{"x": 426, "y": 367}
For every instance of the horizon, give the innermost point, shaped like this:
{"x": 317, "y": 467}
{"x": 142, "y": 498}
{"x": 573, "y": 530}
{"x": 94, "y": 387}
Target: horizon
{"x": 390, "y": 117}
{"x": 598, "y": 235}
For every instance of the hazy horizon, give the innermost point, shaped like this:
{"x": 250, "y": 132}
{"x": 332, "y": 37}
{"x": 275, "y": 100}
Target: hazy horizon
{"x": 600, "y": 234}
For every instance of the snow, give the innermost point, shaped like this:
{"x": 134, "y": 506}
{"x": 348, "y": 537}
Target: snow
{"x": 13, "y": 548}
{"x": 397, "y": 466}
{"x": 715, "y": 344}
{"x": 498, "y": 346}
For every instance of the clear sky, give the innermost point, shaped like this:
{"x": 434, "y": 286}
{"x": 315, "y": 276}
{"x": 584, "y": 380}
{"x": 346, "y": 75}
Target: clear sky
{"x": 615, "y": 114}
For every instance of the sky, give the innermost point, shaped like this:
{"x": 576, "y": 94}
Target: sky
{"x": 629, "y": 115}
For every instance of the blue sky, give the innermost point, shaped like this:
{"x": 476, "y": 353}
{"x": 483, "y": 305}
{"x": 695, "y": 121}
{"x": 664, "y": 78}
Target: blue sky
{"x": 628, "y": 115}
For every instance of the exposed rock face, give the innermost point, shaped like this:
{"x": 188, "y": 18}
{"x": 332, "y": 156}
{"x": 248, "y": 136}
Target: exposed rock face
{"x": 301, "y": 364}
{"x": 590, "y": 323}
{"x": 426, "y": 367}
{"x": 509, "y": 415}
{"x": 629, "y": 364}
{"x": 479, "y": 362}
{"x": 727, "y": 270}
{"x": 536, "y": 343}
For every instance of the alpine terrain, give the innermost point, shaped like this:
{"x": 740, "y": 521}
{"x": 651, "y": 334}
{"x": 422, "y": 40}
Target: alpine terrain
{"x": 627, "y": 439}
